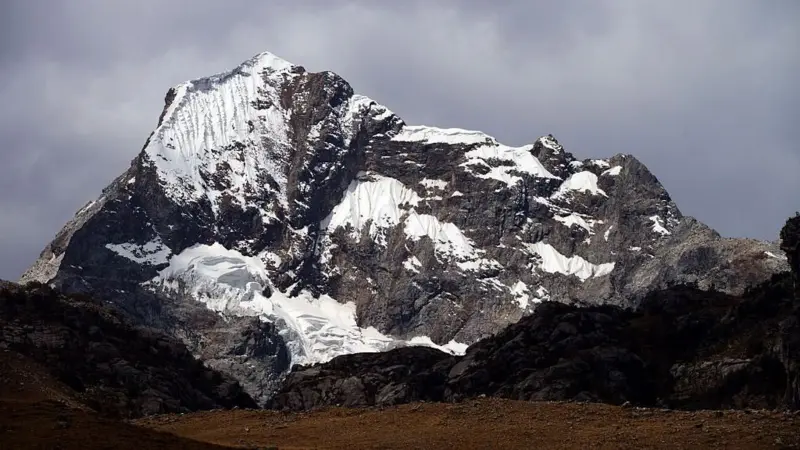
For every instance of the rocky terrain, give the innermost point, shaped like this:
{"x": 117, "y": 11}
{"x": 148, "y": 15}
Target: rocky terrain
{"x": 51, "y": 398}
{"x": 681, "y": 348}
{"x": 78, "y": 352}
{"x": 73, "y": 369}
{"x": 489, "y": 424}
{"x": 275, "y": 217}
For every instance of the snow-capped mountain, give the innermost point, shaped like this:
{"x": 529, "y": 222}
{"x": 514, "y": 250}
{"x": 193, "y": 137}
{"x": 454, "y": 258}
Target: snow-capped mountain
{"x": 275, "y": 217}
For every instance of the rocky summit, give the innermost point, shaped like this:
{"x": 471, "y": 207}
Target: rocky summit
{"x": 275, "y": 217}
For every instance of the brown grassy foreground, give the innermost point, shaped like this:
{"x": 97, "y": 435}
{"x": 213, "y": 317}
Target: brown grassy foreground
{"x": 38, "y": 412}
{"x": 484, "y": 424}
{"x": 488, "y": 424}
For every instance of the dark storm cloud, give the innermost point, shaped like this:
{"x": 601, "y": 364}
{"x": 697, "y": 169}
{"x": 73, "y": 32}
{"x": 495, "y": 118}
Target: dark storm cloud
{"x": 703, "y": 92}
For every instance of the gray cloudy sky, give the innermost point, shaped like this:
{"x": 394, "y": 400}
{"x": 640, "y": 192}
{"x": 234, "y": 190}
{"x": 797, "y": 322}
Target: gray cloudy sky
{"x": 703, "y": 92}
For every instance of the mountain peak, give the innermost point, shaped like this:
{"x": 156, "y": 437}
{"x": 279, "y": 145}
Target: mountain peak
{"x": 267, "y": 60}
{"x": 229, "y": 138}
{"x": 328, "y": 225}
{"x": 550, "y": 142}
{"x": 261, "y": 63}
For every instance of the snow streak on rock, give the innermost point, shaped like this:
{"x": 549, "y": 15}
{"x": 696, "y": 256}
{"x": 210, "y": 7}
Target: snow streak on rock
{"x": 579, "y": 182}
{"x": 433, "y": 135}
{"x": 521, "y": 162}
{"x": 382, "y": 203}
{"x": 555, "y": 262}
{"x": 575, "y": 219}
{"x": 230, "y": 125}
{"x": 153, "y": 253}
{"x": 658, "y": 226}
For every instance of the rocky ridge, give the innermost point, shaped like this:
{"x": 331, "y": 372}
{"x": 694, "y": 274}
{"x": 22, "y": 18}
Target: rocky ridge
{"x": 275, "y": 217}
{"x": 683, "y": 348}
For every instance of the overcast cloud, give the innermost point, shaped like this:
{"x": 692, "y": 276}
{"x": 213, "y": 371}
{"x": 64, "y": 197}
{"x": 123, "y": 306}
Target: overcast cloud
{"x": 703, "y": 92}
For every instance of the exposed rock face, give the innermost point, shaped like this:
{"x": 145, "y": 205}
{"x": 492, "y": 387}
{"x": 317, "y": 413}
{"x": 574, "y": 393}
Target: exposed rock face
{"x": 113, "y": 367}
{"x": 684, "y": 348}
{"x": 274, "y": 217}
{"x": 397, "y": 376}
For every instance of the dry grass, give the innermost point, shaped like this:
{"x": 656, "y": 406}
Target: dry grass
{"x": 488, "y": 424}
{"x": 38, "y": 412}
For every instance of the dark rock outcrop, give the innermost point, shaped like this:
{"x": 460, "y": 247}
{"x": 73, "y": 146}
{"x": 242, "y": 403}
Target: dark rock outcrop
{"x": 398, "y": 376}
{"x": 683, "y": 348}
{"x": 113, "y": 367}
{"x": 790, "y": 242}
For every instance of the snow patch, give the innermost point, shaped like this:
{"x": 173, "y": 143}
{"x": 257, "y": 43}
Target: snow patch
{"x": 383, "y": 203}
{"x": 412, "y": 264}
{"x": 521, "y": 159}
{"x": 658, "y": 226}
{"x": 479, "y": 265}
{"x": 522, "y": 294}
{"x": 86, "y": 207}
{"x": 452, "y": 347}
{"x": 152, "y": 253}
{"x": 773, "y": 255}
{"x": 575, "y": 219}
{"x": 433, "y": 135}
{"x": 581, "y": 182}
{"x": 601, "y": 163}
{"x": 378, "y": 201}
{"x": 614, "y": 171}
{"x": 447, "y": 238}
{"x": 542, "y": 294}
{"x": 555, "y": 262}
{"x": 433, "y": 184}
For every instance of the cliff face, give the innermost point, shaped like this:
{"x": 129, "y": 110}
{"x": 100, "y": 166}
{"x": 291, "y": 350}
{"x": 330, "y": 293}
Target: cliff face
{"x": 274, "y": 217}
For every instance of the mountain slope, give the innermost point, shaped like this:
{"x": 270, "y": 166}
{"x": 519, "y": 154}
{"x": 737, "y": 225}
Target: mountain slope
{"x": 683, "y": 348}
{"x": 314, "y": 222}
{"x": 76, "y": 351}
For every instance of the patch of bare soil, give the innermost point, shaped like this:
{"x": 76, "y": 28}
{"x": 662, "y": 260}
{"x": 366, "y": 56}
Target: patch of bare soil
{"x": 24, "y": 380}
{"x": 53, "y": 425}
{"x": 487, "y": 424}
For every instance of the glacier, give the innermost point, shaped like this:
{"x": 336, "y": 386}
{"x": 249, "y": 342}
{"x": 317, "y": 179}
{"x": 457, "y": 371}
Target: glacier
{"x": 317, "y": 328}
